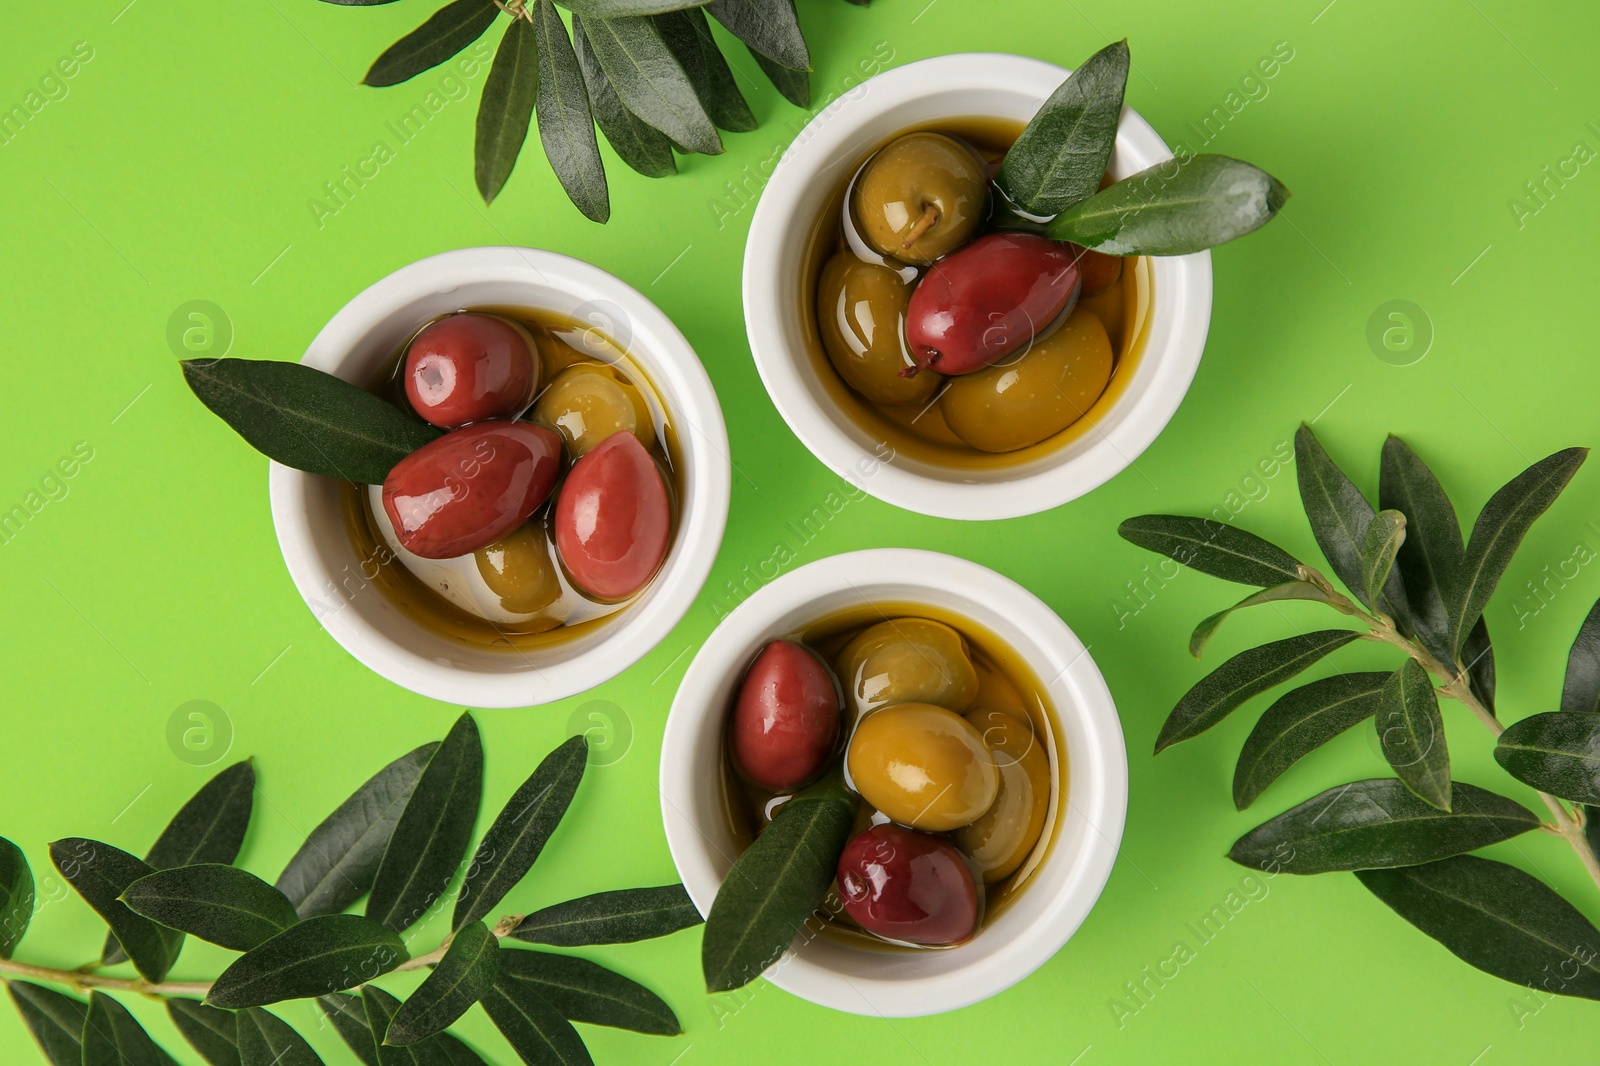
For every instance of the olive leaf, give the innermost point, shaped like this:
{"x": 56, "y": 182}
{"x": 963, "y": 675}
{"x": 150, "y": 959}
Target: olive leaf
{"x": 520, "y": 831}
{"x": 650, "y": 82}
{"x": 113, "y": 1037}
{"x": 307, "y": 419}
{"x": 1213, "y": 548}
{"x": 463, "y": 975}
{"x": 566, "y": 125}
{"x": 639, "y": 144}
{"x": 267, "y": 1040}
{"x": 328, "y": 953}
{"x": 1558, "y": 753}
{"x": 1580, "y": 688}
{"x": 1289, "y": 590}
{"x": 457, "y": 1053}
{"x": 1477, "y": 659}
{"x": 769, "y": 27}
{"x": 16, "y": 896}
{"x": 506, "y": 108}
{"x": 793, "y": 85}
{"x": 1498, "y": 919}
{"x": 348, "y": 1016}
{"x": 1247, "y": 674}
{"x": 100, "y": 873}
{"x": 336, "y": 864}
{"x": 220, "y": 904}
{"x": 533, "y": 1027}
{"x": 1431, "y": 551}
{"x": 1385, "y": 533}
{"x": 1379, "y": 823}
{"x": 55, "y": 1020}
{"x": 212, "y": 1032}
{"x": 1174, "y": 208}
{"x": 1411, "y": 731}
{"x": 619, "y": 917}
{"x": 1298, "y": 723}
{"x": 433, "y": 832}
{"x": 1062, "y": 154}
{"x": 1499, "y": 530}
{"x": 687, "y": 36}
{"x": 604, "y": 9}
{"x": 774, "y": 885}
{"x": 584, "y": 991}
{"x": 447, "y": 32}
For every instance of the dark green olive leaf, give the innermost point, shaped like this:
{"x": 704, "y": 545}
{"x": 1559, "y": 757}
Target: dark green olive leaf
{"x": 770, "y": 27}
{"x": 586, "y": 992}
{"x": 1174, "y": 208}
{"x": 1498, "y": 919}
{"x": 213, "y": 1033}
{"x": 1247, "y": 674}
{"x": 619, "y": 917}
{"x": 267, "y": 1040}
{"x": 336, "y": 864}
{"x": 1411, "y": 731}
{"x": 1431, "y": 551}
{"x": 566, "y": 125}
{"x": 457, "y": 1053}
{"x": 381, "y": 1009}
{"x": 1379, "y": 823}
{"x": 306, "y": 419}
{"x": 650, "y": 82}
{"x": 16, "y": 896}
{"x": 113, "y": 1037}
{"x": 1580, "y": 690}
{"x": 100, "y": 873}
{"x": 1558, "y": 753}
{"x": 506, "y": 108}
{"x": 775, "y": 885}
{"x": 520, "y": 831}
{"x": 1289, "y": 590}
{"x": 432, "y": 833}
{"x": 1477, "y": 658}
{"x": 1385, "y": 533}
{"x": 640, "y": 145}
{"x": 1300, "y": 722}
{"x": 793, "y": 85}
{"x": 1499, "y": 530}
{"x": 465, "y": 973}
{"x": 687, "y": 36}
{"x": 605, "y": 9}
{"x": 55, "y": 1020}
{"x": 220, "y": 904}
{"x": 447, "y": 32}
{"x": 1591, "y": 829}
{"x": 1061, "y": 156}
{"x": 1213, "y": 548}
{"x": 325, "y": 954}
{"x": 533, "y": 1027}
{"x": 348, "y": 1017}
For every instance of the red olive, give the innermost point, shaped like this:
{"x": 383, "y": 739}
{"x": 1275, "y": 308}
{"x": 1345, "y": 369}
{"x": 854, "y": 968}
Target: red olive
{"x": 470, "y": 367}
{"x": 981, "y": 303}
{"x": 612, "y": 519}
{"x": 786, "y": 718}
{"x": 470, "y": 487}
{"x": 908, "y": 886}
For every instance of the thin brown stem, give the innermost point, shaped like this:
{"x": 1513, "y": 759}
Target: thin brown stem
{"x": 929, "y": 219}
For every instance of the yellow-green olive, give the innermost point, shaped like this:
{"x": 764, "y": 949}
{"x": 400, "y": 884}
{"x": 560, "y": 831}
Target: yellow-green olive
{"x": 997, "y": 693}
{"x": 588, "y": 402}
{"x": 861, "y": 312}
{"x": 920, "y": 197}
{"x": 518, "y": 569}
{"x": 1004, "y": 836}
{"x": 922, "y": 766}
{"x": 908, "y": 660}
{"x": 1022, "y": 401}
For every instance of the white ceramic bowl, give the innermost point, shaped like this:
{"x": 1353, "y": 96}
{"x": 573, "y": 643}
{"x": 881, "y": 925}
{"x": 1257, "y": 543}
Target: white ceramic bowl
{"x": 1087, "y": 826}
{"x": 954, "y": 86}
{"x": 326, "y": 567}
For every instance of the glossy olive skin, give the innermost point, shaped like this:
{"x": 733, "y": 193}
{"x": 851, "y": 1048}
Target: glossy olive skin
{"x": 470, "y": 487}
{"x": 908, "y": 886}
{"x": 1004, "y": 836}
{"x": 922, "y": 766}
{"x": 588, "y": 402}
{"x": 786, "y": 718}
{"x": 920, "y": 197}
{"x": 1099, "y": 271}
{"x": 470, "y": 367}
{"x": 1030, "y": 398}
{"x": 861, "y": 313}
{"x": 978, "y": 305}
{"x": 517, "y": 568}
{"x": 908, "y": 660}
{"x": 613, "y": 519}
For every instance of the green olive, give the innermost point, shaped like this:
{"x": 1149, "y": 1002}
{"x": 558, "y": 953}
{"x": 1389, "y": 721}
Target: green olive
{"x": 922, "y": 766}
{"x": 518, "y": 569}
{"x": 908, "y": 659}
{"x": 1004, "y": 836}
{"x": 861, "y": 311}
{"x": 588, "y": 402}
{"x": 920, "y": 197}
{"x": 1022, "y": 401}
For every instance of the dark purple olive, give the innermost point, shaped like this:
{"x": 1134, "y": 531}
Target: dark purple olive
{"x": 908, "y": 886}
{"x": 786, "y": 718}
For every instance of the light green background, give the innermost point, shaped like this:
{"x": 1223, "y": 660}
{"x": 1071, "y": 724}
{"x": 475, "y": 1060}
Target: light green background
{"x": 180, "y": 164}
